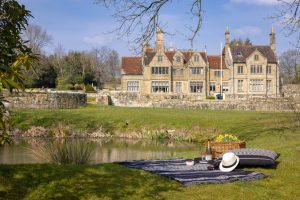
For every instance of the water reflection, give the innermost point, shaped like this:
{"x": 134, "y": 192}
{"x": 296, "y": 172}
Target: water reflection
{"x": 107, "y": 150}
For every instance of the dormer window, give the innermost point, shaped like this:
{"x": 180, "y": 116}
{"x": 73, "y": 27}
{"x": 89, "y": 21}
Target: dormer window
{"x": 159, "y": 58}
{"x": 178, "y": 59}
{"x": 196, "y": 58}
{"x": 256, "y": 57}
{"x": 239, "y": 53}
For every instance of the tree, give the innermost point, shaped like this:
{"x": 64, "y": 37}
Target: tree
{"x": 37, "y": 38}
{"x": 240, "y": 41}
{"x": 288, "y": 15}
{"x": 290, "y": 67}
{"x": 142, "y": 17}
{"x": 15, "y": 56}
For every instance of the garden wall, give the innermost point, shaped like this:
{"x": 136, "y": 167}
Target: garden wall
{"x": 47, "y": 99}
{"x": 179, "y": 101}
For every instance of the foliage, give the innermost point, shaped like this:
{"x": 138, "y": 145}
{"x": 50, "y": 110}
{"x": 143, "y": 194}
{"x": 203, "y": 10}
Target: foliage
{"x": 89, "y": 88}
{"x": 66, "y": 152}
{"x": 15, "y": 56}
{"x": 289, "y": 66}
{"x": 240, "y": 42}
{"x": 211, "y": 97}
{"x": 226, "y": 138}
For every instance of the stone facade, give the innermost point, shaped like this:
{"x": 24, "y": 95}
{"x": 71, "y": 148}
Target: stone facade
{"x": 241, "y": 71}
{"x": 47, "y": 99}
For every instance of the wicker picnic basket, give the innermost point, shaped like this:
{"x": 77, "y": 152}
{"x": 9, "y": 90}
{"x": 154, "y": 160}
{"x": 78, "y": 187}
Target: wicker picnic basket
{"x": 219, "y": 147}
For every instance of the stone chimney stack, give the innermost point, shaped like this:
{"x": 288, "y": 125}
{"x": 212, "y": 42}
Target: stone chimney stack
{"x": 273, "y": 39}
{"x": 159, "y": 43}
{"x": 227, "y": 37}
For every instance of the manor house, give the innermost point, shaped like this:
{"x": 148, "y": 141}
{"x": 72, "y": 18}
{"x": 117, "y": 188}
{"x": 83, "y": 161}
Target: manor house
{"x": 245, "y": 70}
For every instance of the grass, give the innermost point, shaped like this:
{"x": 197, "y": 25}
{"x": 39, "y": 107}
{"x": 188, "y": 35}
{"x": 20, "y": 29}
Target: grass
{"x": 119, "y": 120}
{"x": 110, "y": 181}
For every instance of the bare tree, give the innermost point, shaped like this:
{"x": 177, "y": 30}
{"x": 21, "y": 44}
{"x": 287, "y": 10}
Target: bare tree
{"x": 288, "y": 14}
{"x": 37, "y": 38}
{"x": 290, "y": 67}
{"x": 142, "y": 17}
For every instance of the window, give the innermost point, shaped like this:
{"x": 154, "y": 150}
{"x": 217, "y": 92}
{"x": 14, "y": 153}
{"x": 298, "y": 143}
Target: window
{"x": 160, "y": 70}
{"x": 196, "y": 70}
{"x": 212, "y": 86}
{"x": 132, "y": 86}
{"x": 196, "y": 86}
{"x": 159, "y": 86}
{"x": 256, "y": 85}
{"x": 178, "y": 59}
{"x": 240, "y": 85}
{"x": 196, "y": 58}
{"x": 259, "y": 69}
{"x": 256, "y": 57}
{"x": 218, "y": 73}
{"x": 239, "y": 53}
{"x": 159, "y": 58}
{"x": 240, "y": 69}
{"x": 180, "y": 71}
{"x": 269, "y": 85}
{"x": 174, "y": 72}
{"x": 225, "y": 86}
{"x": 253, "y": 69}
{"x": 177, "y": 72}
{"x": 269, "y": 70}
{"x": 178, "y": 86}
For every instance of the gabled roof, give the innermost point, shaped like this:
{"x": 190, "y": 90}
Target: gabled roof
{"x": 132, "y": 65}
{"x": 170, "y": 54}
{"x": 241, "y": 53}
{"x": 215, "y": 62}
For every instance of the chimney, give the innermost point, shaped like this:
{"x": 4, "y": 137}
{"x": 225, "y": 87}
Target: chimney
{"x": 273, "y": 40}
{"x": 159, "y": 43}
{"x": 227, "y": 37}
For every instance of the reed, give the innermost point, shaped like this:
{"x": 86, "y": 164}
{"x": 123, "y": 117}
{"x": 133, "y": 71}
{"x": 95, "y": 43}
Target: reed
{"x": 64, "y": 152}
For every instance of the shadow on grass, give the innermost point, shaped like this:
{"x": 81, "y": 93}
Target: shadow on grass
{"x": 109, "y": 181}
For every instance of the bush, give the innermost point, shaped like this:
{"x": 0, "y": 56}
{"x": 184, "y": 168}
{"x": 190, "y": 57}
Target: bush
{"x": 89, "y": 88}
{"x": 78, "y": 87}
{"x": 211, "y": 97}
{"x": 65, "y": 87}
{"x": 66, "y": 152}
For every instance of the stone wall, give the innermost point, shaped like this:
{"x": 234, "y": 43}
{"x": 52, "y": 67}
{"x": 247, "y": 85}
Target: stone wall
{"x": 47, "y": 99}
{"x": 181, "y": 101}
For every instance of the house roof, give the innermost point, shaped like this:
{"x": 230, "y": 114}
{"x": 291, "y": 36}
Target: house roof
{"x": 132, "y": 65}
{"x": 241, "y": 53}
{"x": 215, "y": 62}
{"x": 170, "y": 54}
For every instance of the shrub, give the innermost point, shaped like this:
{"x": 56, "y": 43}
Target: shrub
{"x": 65, "y": 87}
{"x": 66, "y": 152}
{"x": 211, "y": 97}
{"x": 89, "y": 88}
{"x": 159, "y": 136}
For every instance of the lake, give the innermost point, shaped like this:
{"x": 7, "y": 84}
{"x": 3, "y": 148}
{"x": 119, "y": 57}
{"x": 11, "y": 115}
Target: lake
{"x": 106, "y": 150}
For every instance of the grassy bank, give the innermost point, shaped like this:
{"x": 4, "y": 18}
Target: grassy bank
{"x": 110, "y": 181}
{"x": 116, "y": 120}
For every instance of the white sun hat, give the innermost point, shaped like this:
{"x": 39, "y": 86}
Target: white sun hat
{"x": 229, "y": 162}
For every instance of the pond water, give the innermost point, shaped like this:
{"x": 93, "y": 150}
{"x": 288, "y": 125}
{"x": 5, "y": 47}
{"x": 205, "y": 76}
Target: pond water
{"x": 106, "y": 150}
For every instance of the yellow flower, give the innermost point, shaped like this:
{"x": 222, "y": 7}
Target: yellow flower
{"x": 226, "y": 138}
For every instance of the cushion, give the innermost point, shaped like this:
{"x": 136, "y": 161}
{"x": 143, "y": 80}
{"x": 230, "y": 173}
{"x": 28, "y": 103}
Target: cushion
{"x": 252, "y": 157}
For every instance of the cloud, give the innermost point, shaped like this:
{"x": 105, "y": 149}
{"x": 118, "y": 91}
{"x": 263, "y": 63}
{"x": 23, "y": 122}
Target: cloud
{"x": 256, "y": 2}
{"x": 247, "y": 30}
{"x": 98, "y": 39}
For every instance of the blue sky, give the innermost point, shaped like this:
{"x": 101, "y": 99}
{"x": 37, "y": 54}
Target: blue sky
{"x": 83, "y": 25}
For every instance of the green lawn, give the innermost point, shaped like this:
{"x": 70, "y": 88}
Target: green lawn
{"x": 110, "y": 181}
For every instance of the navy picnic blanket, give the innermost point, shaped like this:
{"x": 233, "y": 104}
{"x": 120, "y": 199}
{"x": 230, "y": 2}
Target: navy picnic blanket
{"x": 189, "y": 175}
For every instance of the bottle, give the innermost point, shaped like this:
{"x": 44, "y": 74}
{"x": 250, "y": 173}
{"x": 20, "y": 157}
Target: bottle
{"x": 208, "y": 155}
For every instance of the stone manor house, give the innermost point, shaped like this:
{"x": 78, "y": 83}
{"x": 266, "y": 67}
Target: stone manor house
{"x": 245, "y": 71}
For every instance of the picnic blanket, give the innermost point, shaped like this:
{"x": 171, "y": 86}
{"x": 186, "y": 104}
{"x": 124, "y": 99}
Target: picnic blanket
{"x": 188, "y": 175}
